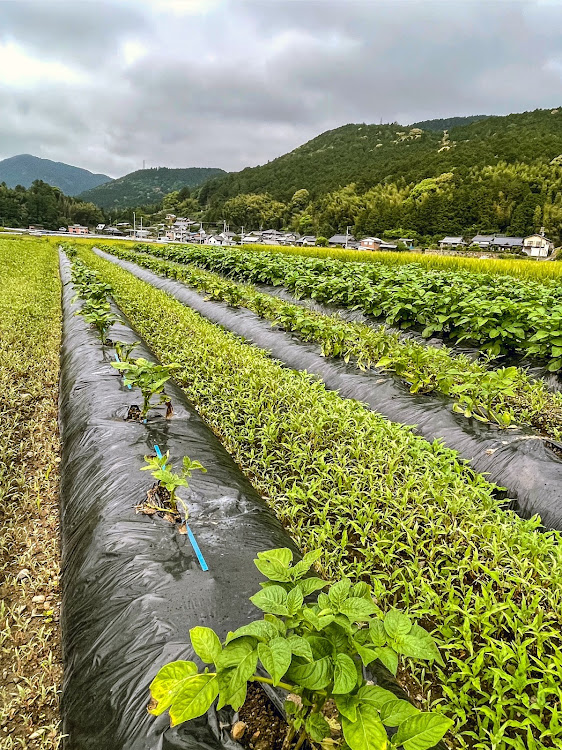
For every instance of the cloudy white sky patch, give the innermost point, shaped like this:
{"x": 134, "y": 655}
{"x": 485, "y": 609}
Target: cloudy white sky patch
{"x": 234, "y": 83}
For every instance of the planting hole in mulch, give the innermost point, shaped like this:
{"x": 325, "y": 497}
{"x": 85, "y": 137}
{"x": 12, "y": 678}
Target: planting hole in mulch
{"x": 158, "y": 504}
{"x": 133, "y": 414}
{"x": 260, "y": 727}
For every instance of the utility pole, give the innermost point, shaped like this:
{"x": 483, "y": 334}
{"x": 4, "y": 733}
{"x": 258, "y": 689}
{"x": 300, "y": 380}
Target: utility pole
{"x": 134, "y": 225}
{"x": 242, "y": 236}
{"x": 347, "y": 236}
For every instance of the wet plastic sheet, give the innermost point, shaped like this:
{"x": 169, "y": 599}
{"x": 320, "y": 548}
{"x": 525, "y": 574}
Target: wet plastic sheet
{"x": 132, "y": 586}
{"x": 515, "y": 459}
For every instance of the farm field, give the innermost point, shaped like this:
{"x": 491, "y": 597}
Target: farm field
{"x": 371, "y": 501}
{"x": 499, "y": 314}
{"x": 505, "y": 396}
{"x": 29, "y": 450}
{"x": 404, "y": 540}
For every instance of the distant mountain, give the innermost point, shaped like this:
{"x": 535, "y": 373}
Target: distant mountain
{"x": 370, "y": 155}
{"x": 25, "y": 169}
{"x": 447, "y": 123}
{"x": 147, "y": 186}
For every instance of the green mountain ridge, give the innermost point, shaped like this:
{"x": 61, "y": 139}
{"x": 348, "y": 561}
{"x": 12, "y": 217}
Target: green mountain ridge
{"x": 24, "y": 169}
{"x": 367, "y": 155}
{"x": 147, "y": 186}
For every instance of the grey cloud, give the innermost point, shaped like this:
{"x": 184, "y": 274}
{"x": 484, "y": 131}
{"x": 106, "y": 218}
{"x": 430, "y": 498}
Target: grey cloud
{"x": 234, "y": 84}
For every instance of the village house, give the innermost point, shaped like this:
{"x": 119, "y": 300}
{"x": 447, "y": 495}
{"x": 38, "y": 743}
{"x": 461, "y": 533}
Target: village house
{"x": 77, "y": 229}
{"x": 482, "y": 240}
{"x": 370, "y": 243}
{"x": 502, "y": 244}
{"x": 343, "y": 240}
{"x": 448, "y": 242}
{"x": 307, "y": 240}
{"x": 408, "y": 241}
{"x": 537, "y": 246}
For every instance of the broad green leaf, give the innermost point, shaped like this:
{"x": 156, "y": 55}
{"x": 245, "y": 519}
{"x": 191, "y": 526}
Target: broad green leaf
{"x": 279, "y": 624}
{"x": 236, "y": 652}
{"x": 272, "y": 599}
{"x": 195, "y": 699}
{"x": 339, "y": 592}
{"x": 395, "y": 712}
{"x": 300, "y": 647}
{"x": 418, "y": 644}
{"x": 318, "y": 623}
{"x": 345, "y": 674}
{"x": 313, "y": 676}
{"x": 206, "y": 644}
{"x": 310, "y": 585}
{"x": 361, "y": 590}
{"x": 396, "y": 623}
{"x": 375, "y": 695}
{"x": 168, "y": 683}
{"x": 231, "y": 692}
{"x": 273, "y": 570}
{"x": 317, "y": 727}
{"x": 367, "y": 732}
{"x": 367, "y": 654}
{"x": 261, "y": 629}
{"x": 294, "y": 600}
{"x": 389, "y": 658}
{"x": 320, "y": 646}
{"x": 276, "y": 657}
{"x": 378, "y": 633}
{"x": 304, "y": 565}
{"x": 357, "y": 609}
{"x": 422, "y": 731}
{"x": 282, "y": 555}
{"x": 347, "y": 706}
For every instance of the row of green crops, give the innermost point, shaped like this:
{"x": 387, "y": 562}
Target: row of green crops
{"x": 389, "y": 508}
{"x": 504, "y": 396}
{"x": 497, "y": 313}
{"x": 520, "y": 268}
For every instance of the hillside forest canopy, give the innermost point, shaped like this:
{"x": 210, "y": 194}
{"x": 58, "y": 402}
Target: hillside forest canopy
{"x": 44, "y": 205}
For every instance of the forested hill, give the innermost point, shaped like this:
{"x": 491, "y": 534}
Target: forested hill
{"x": 447, "y": 123}
{"x": 147, "y": 186}
{"x": 368, "y": 155}
{"x": 25, "y": 169}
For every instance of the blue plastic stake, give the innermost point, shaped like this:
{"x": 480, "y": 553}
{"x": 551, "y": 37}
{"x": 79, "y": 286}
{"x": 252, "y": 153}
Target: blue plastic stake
{"x": 190, "y": 534}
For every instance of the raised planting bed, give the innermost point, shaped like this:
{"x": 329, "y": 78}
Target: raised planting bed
{"x": 518, "y": 460}
{"x": 389, "y": 508}
{"x": 147, "y": 571}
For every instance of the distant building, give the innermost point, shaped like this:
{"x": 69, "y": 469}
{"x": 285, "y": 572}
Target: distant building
{"x": 452, "y": 242}
{"x": 100, "y": 227}
{"x": 370, "y": 243}
{"x": 307, "y": 240}
{"x": 342, "y": 239}
{"x": 388, "y": 246}
{"x": 408, "y": 241}
{"x": 506, "y": 243}
{"x": 36, "y": 227}
{"x": 537, "y": 246}
{"x": 482, "y": 240}
{"x": 77, "y": 229}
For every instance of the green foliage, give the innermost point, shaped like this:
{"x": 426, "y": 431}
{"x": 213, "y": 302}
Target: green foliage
{"x": 497, "y": 171}
{"x": 503, "y": 396}
{"x": 147, "y": 186}
{"x": 124, "y": 350}
{"x": 315, "y": 650}
{"x": 44, "y": 205}
{"x": 160, "y": 468}
{"x": 388, "y": 508}
{"x": 95, "y": 309}
{"x": 149, "y": 378}
{"x": 98, "y": 315}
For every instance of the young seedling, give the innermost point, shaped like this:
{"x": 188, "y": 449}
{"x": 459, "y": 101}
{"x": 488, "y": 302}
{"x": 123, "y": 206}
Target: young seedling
{"x": 149, "y": 377}
{"x": 161, "y": 469}
{"x": 99, "y": 316}
{"x": 316, "y": 652}
{"x": 124, "y": 350}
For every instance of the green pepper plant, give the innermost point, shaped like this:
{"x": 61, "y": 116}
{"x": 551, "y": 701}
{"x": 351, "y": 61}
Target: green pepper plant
{"x": 317, "y": 652}
{"x": 149, "y": 377}
{"x": 161, "y": 469}
{"x": 124, "y": 350}
{"x": 99, "y": 315}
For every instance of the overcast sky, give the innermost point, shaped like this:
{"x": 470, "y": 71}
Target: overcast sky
{"x": 235, "y": 83}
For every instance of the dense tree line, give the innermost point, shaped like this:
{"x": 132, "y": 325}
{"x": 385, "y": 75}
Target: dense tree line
{"x": 44, "y": 205}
